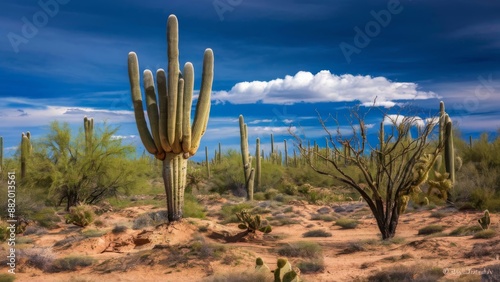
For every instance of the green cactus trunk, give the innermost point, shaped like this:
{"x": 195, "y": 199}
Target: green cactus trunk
{"x": 286, "y": 153}
{"x": 25, "y": 152}
{"x": 219, "y": 156}
{"x": 207, "y": 161}
{"x": 258, "y": 169}
{"x": 174, "y": 177}
{"x": 248, "y": 171}
{"x": 88, "y": 126}
{"x": 442, "y": 121}
{"x": 449, "y": 153}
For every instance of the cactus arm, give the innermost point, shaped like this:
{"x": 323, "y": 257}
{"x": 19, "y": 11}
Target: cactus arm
{"x": 173, "y": 75}
{"x": 449, "y": 154}
{"x": 176, "y": 146}
{"x": 133, "y": 73}
{"x": 161, "y": 81}
{"x": 258, "y": 161}
{"x": 203, "y": 104}
{"x": 187, "y": 103}
{"x": 152, "y": 109}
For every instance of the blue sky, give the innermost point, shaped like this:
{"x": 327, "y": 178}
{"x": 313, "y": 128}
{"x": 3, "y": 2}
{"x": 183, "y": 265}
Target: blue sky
{"x": 276, "y": 62}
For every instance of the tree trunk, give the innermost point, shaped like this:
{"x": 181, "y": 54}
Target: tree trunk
{"x": 174, "y": 178}
{"x": 387, "y": 227}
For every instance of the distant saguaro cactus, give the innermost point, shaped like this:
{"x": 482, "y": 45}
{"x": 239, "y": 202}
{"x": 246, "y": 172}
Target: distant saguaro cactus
{"x": 172, "y": 138}
{"x": 88, "y": 126}
{"x": 25, "y": 152}
{"x": 248, "y": 171}
{"x": 1, "y": 153}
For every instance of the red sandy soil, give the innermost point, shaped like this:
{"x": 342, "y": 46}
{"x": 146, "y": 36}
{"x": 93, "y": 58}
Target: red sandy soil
{"x": 145, "y": 255}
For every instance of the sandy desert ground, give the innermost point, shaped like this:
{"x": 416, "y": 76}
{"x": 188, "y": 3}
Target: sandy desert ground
{"x": 198, "y": 249}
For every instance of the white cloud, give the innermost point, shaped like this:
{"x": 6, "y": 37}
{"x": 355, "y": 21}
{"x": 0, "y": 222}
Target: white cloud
{"x": 323, "y": 87}
{"x": 42, "y": 116}
{"x": 123, "y": 136}
{"x": 398, "y": 119}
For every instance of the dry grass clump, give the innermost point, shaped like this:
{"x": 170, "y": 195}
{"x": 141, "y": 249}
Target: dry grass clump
{"x": 403, "y": 273}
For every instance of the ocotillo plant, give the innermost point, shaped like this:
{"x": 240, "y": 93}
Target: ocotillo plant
{"x": 88, "y": 126}
{"x": 172, "y": 138}
{"x": 258, "y": 169}
{"x": 248, "y": 171}
{"x": 25, "y": 152}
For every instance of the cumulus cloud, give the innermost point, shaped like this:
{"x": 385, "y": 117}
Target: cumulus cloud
{"x": 398, "y": 119}
{"x": 323, "y": 87}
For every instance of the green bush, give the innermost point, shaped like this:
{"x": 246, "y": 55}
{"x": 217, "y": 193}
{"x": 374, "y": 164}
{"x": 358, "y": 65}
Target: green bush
{"x": 317, "y": 233}
{"x": 47, "y": 218}
{"x": 311, "y": 266}
{"x": 431, "y": 229}
{"x": 484, "y": 234}
{"x": 347, "y": 223}
{"x": 301, "y": 249}
{"x": 4, "y": 277}
{"x": 193, "y": 208}
{"x": 71, "y": 263}
{"x": 465, "y": 230}
{"x": 81, "y": 215}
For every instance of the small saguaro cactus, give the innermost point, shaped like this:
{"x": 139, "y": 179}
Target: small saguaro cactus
{"x": 248, "y": 171}
{"x": 88, "y": 126}
{"x": 25, "y": 152}
{"x": 258, "y": 164}
{"x": 172, "y": 138}
{"x": 207, "y": 162}
{"x": 485, "y": 220}
{"x": 286, "y": 153}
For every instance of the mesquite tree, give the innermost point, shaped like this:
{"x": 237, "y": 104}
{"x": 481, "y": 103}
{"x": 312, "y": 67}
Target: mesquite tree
{"x": 172, "y": 138}
{"x": 401, "y": 166}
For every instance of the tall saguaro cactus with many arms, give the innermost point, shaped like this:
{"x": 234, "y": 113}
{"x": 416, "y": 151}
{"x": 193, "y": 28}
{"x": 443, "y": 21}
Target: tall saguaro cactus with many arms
{"x": 172, "y": 139}
{"x": 88, "y": 126}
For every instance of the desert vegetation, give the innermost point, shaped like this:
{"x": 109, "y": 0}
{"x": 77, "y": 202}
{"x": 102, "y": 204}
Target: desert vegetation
{"x": 350, "y": 210}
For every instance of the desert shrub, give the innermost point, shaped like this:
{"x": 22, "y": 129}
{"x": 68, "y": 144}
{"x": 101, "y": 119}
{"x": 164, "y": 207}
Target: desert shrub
{"x": 24, "y": 240}
{"x": 317, "y": 233}
{"x": 71, "y": 263}
{"x": 301, "y": 249}
{"x": 347, "y": 223}
{"x": 403, "y": 273}
{"x": 4, "y": 231}
{"x": 324, "y": 217}
{"x": 311, "y": 266}
{"x": 47, "y": 218}
{"x": 41, "y": 258}
{"x": 226, "y": 177}
{"x": 431, "y": 229}
{"x": 99, "y": 223}
{"x": 150, "y": 219}
{"x": 141, "y": 221}
{"x": 251, "y": 276}
{"x": 259, "y": 196}
{"x": 119, "y": 229}
{"x": 192, "y": 207}
{"x": 5, "y": 277}
{"x": 484, "y": 234}
{"x": 204, "y": 250}
{"x": 90, "y": 233}
{"x": 354, "y": 247}
{"x": 465, "y": 230}
{"x": 68, "y": 241}
{"x": 271, "y": 193}
{"x": 81, "y": 215}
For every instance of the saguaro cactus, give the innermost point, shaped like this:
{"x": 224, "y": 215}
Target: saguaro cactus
{"x": 25, "y": 152}
{"x": 88, "y": 126}
{"x": 172, "y": 138}
{"x": 286, "y": 153}
{"x": 207, "y": 162}
{"x": 449, "y": 153}
{"x": 258, "y": 162}
{"x": 248, "y": 171}
{"x": 485, "y": 220}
